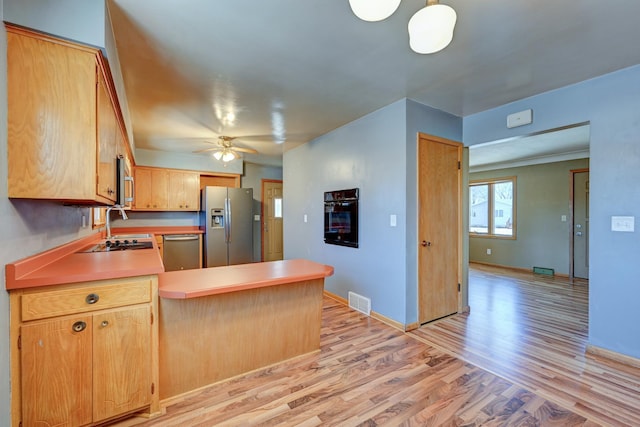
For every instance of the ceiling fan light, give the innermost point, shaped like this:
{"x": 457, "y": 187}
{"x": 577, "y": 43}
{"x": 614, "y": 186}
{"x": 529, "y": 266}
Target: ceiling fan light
{"x": 217, "y": 155}
{"x": 373, "y": 10}
{"x": 228, "y": 156}
{"x": 431, "y": 28}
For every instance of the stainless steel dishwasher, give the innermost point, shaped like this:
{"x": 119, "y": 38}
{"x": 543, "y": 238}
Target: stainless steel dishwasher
{"x": 181, "y": 251}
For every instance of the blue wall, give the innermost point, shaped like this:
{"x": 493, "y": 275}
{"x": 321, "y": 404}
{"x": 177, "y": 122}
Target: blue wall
{"x": 78, "y": 20}
{"x": 376, "y": 153}
{"x": 611, "y": 104}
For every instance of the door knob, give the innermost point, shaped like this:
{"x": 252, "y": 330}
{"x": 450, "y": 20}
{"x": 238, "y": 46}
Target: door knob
{"x": 578, "y": 233}
{"x": 425, "y": 243}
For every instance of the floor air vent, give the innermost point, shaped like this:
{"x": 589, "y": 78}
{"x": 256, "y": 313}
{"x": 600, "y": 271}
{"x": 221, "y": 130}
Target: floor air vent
{"x": 360, "y": 303}
{"x": 543, "y": 270}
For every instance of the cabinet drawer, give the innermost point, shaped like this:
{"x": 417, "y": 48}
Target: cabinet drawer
{"x": 91, "y": 297}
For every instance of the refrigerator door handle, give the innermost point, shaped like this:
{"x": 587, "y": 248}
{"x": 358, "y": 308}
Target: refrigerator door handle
{"x": 227, "y": 212}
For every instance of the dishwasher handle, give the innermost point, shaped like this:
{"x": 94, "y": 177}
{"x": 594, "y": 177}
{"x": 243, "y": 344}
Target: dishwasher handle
{"x": 177, "y": 237}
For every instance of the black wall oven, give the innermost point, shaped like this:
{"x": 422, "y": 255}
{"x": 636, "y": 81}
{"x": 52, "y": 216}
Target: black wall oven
{"x": 341, "y": 217}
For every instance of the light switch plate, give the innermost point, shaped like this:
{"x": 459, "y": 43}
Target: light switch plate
{"x": 623, "y": 223}
{"x": 393, "y": 220}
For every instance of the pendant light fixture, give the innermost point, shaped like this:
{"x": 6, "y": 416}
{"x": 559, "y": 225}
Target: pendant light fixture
{"x": 373, "y": 10}
{"x": 431, "y": 28}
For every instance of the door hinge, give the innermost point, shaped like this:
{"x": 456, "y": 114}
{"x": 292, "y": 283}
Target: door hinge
{"x": 152, "y": 317}
{"x": 153, "y": 388}
{"x": 458, "y": 165}
{"x": 19, "y": 342}
{"x": 458, "y": 287}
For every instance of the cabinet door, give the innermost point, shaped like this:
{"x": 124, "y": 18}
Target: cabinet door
{"x": 152, "y": 188}
{"x": 107, "y": 144}
{"x": 51, "y": 127}
{"x": 184, "y": 191}
{"x": 143, "y": 193}
{"x": 56, "y": 372}
{"x": 192, "y": 191}
{"x": 121, "y": 361}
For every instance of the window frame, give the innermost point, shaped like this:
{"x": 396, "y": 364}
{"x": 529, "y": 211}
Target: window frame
{"x": 491, "y": 182}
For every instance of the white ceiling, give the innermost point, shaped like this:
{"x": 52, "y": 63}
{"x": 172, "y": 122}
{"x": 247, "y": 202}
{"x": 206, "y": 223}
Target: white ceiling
{"x": 568, "y": 143}
{"x": 279, "y": 73}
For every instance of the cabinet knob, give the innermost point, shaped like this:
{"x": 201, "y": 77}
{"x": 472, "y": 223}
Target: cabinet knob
{"x": 92, "y": 298}
{"x": 104, "y": 323}
{"x": 79, "y": 326}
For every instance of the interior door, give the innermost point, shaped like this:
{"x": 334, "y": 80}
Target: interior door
{"x": 439, "y": 226}
{"x": 272, "y": 246}
{"x": 581, "y": 224}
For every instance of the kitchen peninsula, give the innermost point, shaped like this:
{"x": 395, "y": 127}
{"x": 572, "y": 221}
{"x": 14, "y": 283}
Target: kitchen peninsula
{"x": 219, "y": 322}
{"x": 211, "y": 324}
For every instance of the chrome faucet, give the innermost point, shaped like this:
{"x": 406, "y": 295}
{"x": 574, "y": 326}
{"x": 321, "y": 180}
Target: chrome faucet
{"x": 107, "y": 214}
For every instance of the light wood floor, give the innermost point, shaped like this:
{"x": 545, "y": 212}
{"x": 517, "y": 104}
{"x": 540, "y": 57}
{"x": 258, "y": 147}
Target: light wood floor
{"x": 533, "y": 331}
{"x": 516, "y": 359}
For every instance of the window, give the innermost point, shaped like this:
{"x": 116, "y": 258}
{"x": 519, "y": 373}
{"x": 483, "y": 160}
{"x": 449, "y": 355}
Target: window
{"x": 277, "y": 207}
{"x": 495, "y": 196}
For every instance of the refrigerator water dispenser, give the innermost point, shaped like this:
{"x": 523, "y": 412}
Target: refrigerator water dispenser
{"x": 217, "y": 218}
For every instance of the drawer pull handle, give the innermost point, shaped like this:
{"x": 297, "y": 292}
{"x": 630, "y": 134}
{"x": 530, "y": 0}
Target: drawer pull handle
{"x": 92, "y": 298}
{"x": 104, "y": 323}
{"x": 79, "y": 326}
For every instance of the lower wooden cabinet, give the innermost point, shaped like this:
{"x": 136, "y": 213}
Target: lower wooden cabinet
{"x": 95, "y": 362}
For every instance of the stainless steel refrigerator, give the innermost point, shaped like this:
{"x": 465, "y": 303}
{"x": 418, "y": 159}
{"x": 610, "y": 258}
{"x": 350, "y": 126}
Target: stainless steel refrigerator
{"x": 227, "y": 219}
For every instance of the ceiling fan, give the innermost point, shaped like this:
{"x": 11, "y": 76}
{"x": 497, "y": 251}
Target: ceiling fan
{"x": 224, "y": 150}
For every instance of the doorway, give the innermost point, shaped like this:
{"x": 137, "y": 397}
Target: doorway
{"x": 272, "y": 240}
{"x": 439, "y": 226}
{"x": 579, "y": 243}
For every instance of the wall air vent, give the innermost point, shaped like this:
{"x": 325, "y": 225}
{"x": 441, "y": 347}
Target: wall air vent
{"x": 360, "y": 303}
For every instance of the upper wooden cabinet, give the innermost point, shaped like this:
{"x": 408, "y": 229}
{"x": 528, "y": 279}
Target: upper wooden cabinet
{"x": 151, "y": 189}
{"x": 184, "y": 191}
{"x": 63, "y": 120}
{"x": 158, "y": 189}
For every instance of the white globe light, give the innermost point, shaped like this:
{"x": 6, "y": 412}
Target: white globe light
{"x": 431, "y": 28}
{"x": 373, "y": 10}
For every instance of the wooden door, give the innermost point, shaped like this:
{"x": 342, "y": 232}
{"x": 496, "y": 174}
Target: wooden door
{"x": 272, "y": 240}
{"x": 56, "y": 372}
{"x": 121, "y": 361}
{"x": 439, "y": 225}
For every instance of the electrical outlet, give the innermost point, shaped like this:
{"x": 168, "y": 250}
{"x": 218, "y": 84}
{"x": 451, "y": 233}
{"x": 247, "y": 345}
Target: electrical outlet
{"x": 488, "y": 251}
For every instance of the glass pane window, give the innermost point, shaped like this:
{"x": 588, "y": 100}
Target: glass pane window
{"x": 479, "y": 208}
{"x": 503, "y": 208}
{"x": 491, "y": 208}
{"x": 277, "y": 207}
